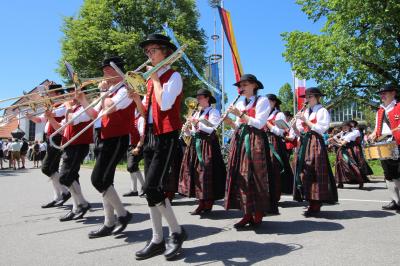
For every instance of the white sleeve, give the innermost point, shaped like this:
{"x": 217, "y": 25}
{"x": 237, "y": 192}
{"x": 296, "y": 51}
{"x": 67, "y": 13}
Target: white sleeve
{"x": 121, "y": 99}
{"x": 170, "y": 91}
{"x": 140, "y": 126}
{"x": 323, "y": 120}
{"x": 276, "y": 130}
{"x": 80, "y": 116}
{"x": 213, "y": 118}
{"x": 42, "y": 118}
{"x": 262, "y": 111}
{"x": 59, "y": 111}
{"x": 350, "y": 137}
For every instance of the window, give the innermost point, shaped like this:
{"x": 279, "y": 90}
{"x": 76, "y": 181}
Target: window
{"x": 32, "y": 130}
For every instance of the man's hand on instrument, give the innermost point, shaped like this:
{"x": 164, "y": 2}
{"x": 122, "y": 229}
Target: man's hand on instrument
{"x": 153, "y": 76}
{"x": 136, "y": 151}
{"x": 372, "y": 136}
{"x": 134, "y": 96}
{"x": 103, "y": 85}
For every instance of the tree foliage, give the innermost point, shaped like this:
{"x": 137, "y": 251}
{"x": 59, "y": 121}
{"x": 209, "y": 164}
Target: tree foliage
{"x": 116, "y": 27}
{"x": 286, "y": 96}
{"x": 358, "y": 48}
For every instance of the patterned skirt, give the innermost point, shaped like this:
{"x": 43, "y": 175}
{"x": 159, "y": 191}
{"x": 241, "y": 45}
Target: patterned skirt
{"x": 282, "y": 172}
{"x": 203, "y": 172}
{"x": 313, "y": 177}
{"x": 362, "y": 163}
{"x": 249, "y": 165}
{"x": 346, "y": 168}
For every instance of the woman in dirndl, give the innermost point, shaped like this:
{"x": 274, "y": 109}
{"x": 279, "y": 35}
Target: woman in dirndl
{"x": 282, "y": 177}
{"x": 346, "y": 168}
{"x": 314, "y": 180}
{"x": 203, "y": 171}
{"x": 249, "y": 162}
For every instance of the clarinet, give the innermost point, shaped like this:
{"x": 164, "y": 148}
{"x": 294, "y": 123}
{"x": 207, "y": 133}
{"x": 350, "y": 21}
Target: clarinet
{"x": 227, "y": 113}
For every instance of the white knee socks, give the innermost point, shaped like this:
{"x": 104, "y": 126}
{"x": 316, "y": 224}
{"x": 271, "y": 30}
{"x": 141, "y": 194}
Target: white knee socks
{"x": 112, "y": 197}
{"x": 135, "y": 176}
{"x": 156, "y": 223}
{"x": 167, "y": 212}
{"x": 394, "y": 189}
{"x": 109, "y": 217}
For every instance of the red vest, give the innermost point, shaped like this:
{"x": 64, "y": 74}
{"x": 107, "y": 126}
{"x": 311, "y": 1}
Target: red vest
{"x": 163, "y": 121}
{"x": 305, "y": 126}
{"x": 117, "y": 123}
{"x": 50, "y": 129}
{"x": 134, "y": 134}
{"x": 252, "y": 111}
{"x": 71, "y": 130}
{"x": 394, "y": 120}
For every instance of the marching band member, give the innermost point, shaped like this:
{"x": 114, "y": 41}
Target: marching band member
{"x": 359, "y": 155}
{"x": 74, "y": 154}
{"x": 281, "y": 181}
{"x": 162, "y": 125}
{"x": 51, "y": 161}
{"x": 249, "y": 163}
{"x": 117, "y": 110}
{"x": 135, "y": 154}
{"x": 290, "y": 136}
{"x": 388, "y": 124}
{"x": 203, "y": 170}
{"x": 346, "y": 168}
{"x": 314, "y": 180}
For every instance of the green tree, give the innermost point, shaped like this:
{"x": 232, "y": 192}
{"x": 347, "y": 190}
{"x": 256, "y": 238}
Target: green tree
{"x": 357, "y": 50}
{"x": 117, "y": 26}
{"x": 286, "y": 96}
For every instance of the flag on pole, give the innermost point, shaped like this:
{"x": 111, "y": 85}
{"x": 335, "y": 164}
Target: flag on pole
{"x": 228, "y": 29}
{"x": 300, "y": 90}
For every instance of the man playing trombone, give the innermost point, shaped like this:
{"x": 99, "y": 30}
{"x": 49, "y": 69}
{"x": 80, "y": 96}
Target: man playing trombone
{"x": 51, "y": 161}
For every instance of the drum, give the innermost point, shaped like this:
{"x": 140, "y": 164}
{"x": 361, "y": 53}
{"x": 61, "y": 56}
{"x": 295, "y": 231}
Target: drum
{"x": 382, "y": 151}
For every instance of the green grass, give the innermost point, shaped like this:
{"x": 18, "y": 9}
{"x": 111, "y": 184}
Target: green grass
{"x": 121, "y": 166}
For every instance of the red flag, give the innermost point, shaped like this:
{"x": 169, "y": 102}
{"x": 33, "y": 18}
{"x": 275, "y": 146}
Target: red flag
{"x": 300, "y": 90}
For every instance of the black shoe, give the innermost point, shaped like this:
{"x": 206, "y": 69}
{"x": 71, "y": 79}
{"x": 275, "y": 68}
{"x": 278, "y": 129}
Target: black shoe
{"x": 174, "y": 244}
{"x": 67, "y": 217}
{"x": 131, "y": 194}
{"x": 311, "y": 213}
{"x": 49, "y": 205}
{"x": 123, "y": 222}
{"x": 61, "y": 202}
{"x": 82, "y": 211}
{"x": 340, "y": 185}
{"x": 101, "y": 232}
{"x": 150, "y": 250}
{"x": 391, "y": 206}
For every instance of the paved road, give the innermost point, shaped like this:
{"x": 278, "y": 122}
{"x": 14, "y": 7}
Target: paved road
{"x": 354, "y": 232}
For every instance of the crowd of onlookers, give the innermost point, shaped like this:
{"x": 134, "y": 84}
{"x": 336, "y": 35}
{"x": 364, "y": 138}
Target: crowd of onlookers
{"x": 15, "y": 152}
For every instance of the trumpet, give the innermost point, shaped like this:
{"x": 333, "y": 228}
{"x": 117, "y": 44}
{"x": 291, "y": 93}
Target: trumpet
{"x": 134, "y": 80}
{"x": 192, "y": 106}
{"x": 227, "y": 113}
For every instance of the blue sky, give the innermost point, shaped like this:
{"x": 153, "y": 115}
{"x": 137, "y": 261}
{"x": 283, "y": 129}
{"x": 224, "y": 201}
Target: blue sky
{"x": 30, "y": 45}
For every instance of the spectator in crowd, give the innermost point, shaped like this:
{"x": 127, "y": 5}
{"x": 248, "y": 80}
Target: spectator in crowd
{"x": 43, "y": 149}
{"x": 36, "y": 154}
{"x": 15, "y": 153}
{"x": 8, "y": 153}
{"x": 1, "y": 154}
{"x": 24, "y": 151}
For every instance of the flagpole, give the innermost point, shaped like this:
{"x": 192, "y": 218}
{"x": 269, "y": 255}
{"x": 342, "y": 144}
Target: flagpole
{"x": 222, "y": 77}
{"x": 294, "y": 93}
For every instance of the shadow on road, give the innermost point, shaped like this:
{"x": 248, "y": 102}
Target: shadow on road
{"x": 353, "y": 214}
{"x": 296, "y": 227}
{"x": 237, "y": 252}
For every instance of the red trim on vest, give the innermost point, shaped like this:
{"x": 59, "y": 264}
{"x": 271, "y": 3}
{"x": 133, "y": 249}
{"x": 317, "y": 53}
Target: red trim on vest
{"x": 394, "y": 120}
{"x": 252, "y": 111}
{"x": 134, "y": 134}
{"x": 163, "y": 121}
{"x": 50, "y": 129}
{"x": 71, "y": 130}
{"x": 117, "y": 123}
{"x": 381, "y": 113}
{"x": 306, "y": 127}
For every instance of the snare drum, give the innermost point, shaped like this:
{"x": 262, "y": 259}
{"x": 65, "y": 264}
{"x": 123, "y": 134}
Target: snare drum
{"x": 382, "y": 151}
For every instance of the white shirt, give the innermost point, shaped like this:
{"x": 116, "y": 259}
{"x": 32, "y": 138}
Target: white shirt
{"x": 43, "y": 146}
{"x": 58, "y": 112}
{"x": 385, "y": 127}
{"x": 170, "y": 91}
{"x": 213, "y": 117}
{"x": 140, "y": 126}
{"x": 262, "y": 111}
{"x": 348, "y": 136}
{"x": 79, "y": 116}
{"x": 120, "y": 99}
{"x": 279, "y": 116}
{"x": 323, "y": 119}
{"x": 15, "y": 146}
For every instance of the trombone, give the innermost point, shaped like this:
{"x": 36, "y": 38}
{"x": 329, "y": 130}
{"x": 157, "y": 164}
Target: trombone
{"x": 134, "y": 80}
